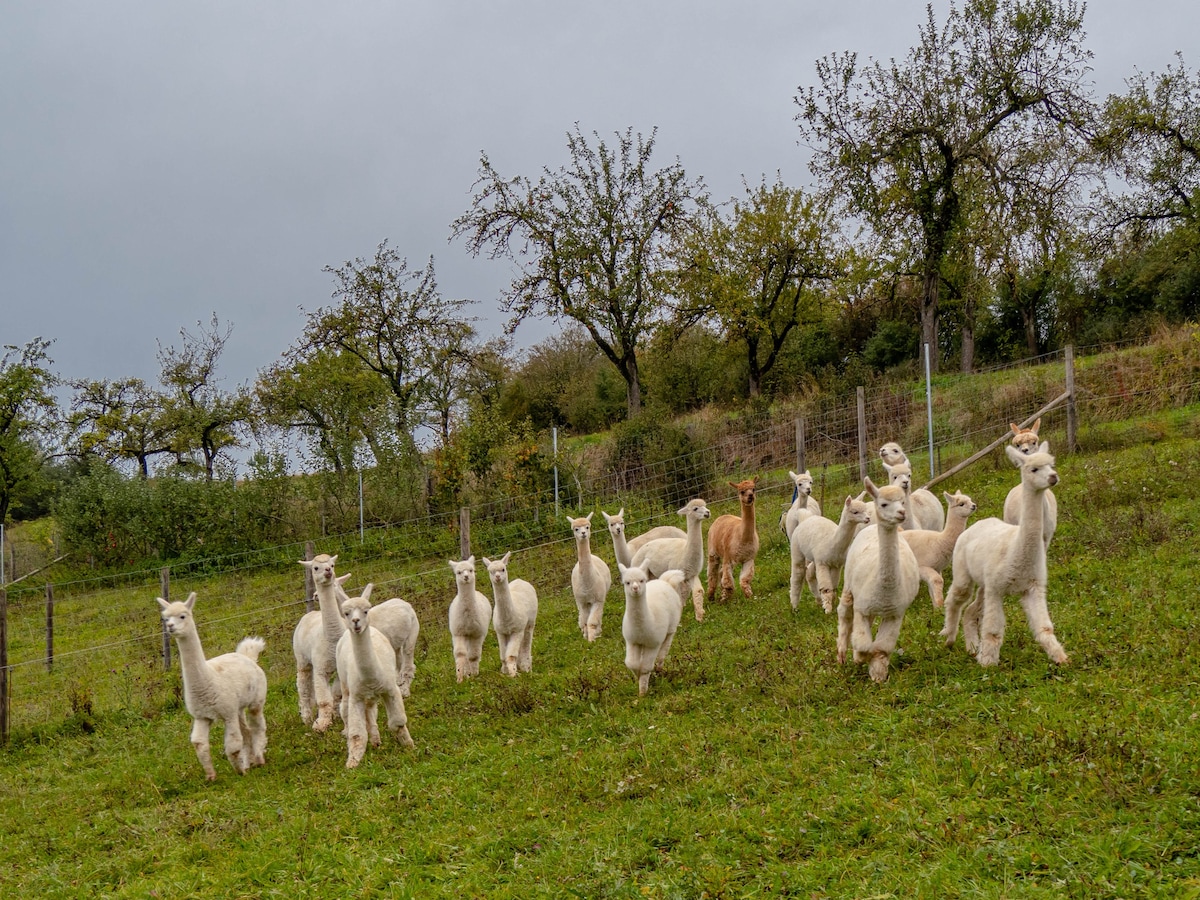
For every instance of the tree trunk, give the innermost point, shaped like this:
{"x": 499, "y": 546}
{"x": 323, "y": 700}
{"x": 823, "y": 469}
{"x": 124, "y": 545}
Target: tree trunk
{"x": 929, "y": 317}
{"x": 755, "y": 372}
{"x": 633, "y": 384}
{"x": 968, "y": 336}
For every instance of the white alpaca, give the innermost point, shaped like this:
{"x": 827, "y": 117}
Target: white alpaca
{"x": 1002, "y": 559}
{"x": 657, "y": 533}
{"x": 935, "y": 549}
{"x": 1025, "y": 440}
{"x": 819, "y": 549}
{"x": 470, "y": 613}
{"x": 513, "y": 617}
{"x": 803, "y": 503}
{"x": 661, "y": 555}
{"x": 924, "y": 510}
{"x": 314, "y": 644}
{"x": 231, "y": 687}
{"x": 881, "y": 581}
{"x": 366, "y": 665}
{"x": 652, "y": 613}
{"x": 624, "y": 548}
{"x": 397, "y": 621}
{"x": 590, "y": 579}
{"x": 891, "y": 454}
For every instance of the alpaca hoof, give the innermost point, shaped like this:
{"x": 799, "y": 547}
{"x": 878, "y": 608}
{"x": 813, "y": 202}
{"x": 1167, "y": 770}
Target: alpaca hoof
{"x": 352, "y": 763}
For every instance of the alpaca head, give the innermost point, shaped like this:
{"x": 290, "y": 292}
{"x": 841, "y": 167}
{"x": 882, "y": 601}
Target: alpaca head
{"x": 498, "y": 569}
{"x": 1037, "y": 469}
{"x": 581, "y": 527}
{"x": 464, "y": 571}
{"x": 696, "y": 510}
{"x": 803, "y": 481}
{"x": 745, "y": 490}
{"x": 177, "y": 617}
{"x": 889, "y": 503}
{"x": 355, "y": 610}
{"x": 634, "y": 579}
{"x": 900, "y": 474}
{"x": 1026, "y": 439}
{"x": 856, "y": 510}
{"x": 616, "y": 524}
{"x": 891, "y": 454}
{"x": 959, "y": 504}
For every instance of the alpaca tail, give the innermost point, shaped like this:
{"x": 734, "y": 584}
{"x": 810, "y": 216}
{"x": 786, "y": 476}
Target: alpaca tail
{"x": 251, "y": 647}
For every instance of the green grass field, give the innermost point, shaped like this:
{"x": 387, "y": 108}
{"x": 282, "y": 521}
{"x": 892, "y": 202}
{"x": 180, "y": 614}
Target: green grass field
{"x": 756, "y": 767}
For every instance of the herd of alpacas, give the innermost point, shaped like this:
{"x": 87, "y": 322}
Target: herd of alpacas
{"x": 351, "y": 656}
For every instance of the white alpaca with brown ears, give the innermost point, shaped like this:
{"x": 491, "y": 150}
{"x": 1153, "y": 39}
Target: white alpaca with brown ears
{"x": 590, "y": 579}
{"x": 935, "y": 549}
{"x": 231, "y": 687}
{"x": 1002, "y": 559}
{"x": 803, "y": 505}
{"x": 513, "y": 617}
{"x": 687, "y": 555}
{"x": 733, "y": 541}
{"x": 470, "y": 613}
{"x": 819, "y": 548}
{"x": 1025, "y": 440}
{"x": 366, "y": 665}
{"x": 314, "y": 644}
{"x": 882, "y": 578}
{"x": 652, "y": 612}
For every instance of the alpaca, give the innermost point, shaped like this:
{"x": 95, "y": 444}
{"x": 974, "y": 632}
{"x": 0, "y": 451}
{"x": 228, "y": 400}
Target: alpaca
{"x": 733, "y": 540}
{"x": 657, "y": 533}
{"x": 231, "y": 687}
{"x": 1001, "y": 559}
{"x": 314, "y": 644}
{"x": 652, "y": 613}
{"x": 397, "y": 621}
{"x": 366, "y": 665}
{"x": 513, "y": 617}
{"x": 819, "y": 549}
{"x": 590, "y": 579}
{"x": 935, "y": 549}
{"x": 803, "y": 503}
{"x": 882, "y": 578}
{"x": 687, "y": 555}
{"x": 470, "y": 612}
{"x": 1025, "y": 440}
{"x": 924, "y": 510}
{"x": 616, "y": 529}
{"x": 891, "y": 454}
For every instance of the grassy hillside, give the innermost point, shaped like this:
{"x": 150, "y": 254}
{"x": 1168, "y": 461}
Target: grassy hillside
{"x": 755, "y": 767}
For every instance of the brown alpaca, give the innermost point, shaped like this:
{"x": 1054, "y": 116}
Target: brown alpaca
{"x": 733, "y": 540}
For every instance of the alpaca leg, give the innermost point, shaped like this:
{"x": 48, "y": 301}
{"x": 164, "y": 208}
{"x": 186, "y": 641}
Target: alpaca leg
{"x": 796, "y": 584}
{"x": 826, "y": 587}
{"x": 698, "y": 598}
{"x": 474, "y": 654}
{"x": 257, "y": 723}
{"x": 845, "y": 614}
{"x": 936, "y": 584}
{"x": 324, "y": 695}
{"x": 661, "y": 656}
{"x": 509, "y": 648}
{"x": 971, "y": 618}
{"x": 406, "y": 669}
{"x": 200, "y": 729}
{"x": 643, "y": 684}
{"x": 371, "y": 715}
{"x": 235, "y": 747}
{"x": 960, "y": 594}
{"x": 726, "y": 580}
{"x": 1033, "y": 601}
{"x": 860, "y": 637}
{"x": 992, "y": 635}
{"x": 747, "y": 575}
{"x": 525, "y": 658}
{"x": 593, "y": 622}
{"x": 711, "y": 574}
{"x": 397, "y": 719}
{"x": 460, "y": 657}
{"x": 304, "y": 691}
{"x": 812, "y": 579}
{"x": 356, "y": 733}
{"x": 584, "y": 611}
{"x": 886, "y": 637}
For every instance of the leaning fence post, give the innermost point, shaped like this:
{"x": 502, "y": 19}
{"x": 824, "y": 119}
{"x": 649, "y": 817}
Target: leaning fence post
{"x": 49, "y": 627}
{"x": 464, "y": 532}
{"x": 4, "y": 687}
{"x": 800, "y": 466}
{"x": 862, "y": 433}
{"x": 310, "y": 586}
{"x": 1072, "y": 420}
{"x": 164, "y": 586}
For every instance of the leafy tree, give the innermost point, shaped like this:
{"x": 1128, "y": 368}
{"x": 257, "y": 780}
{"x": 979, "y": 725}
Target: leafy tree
{"x": 1151, "y": 139}
{"x": 901, "y": 142}
{"x": 27, "y": 408}
{"x": 395, "y": 322}
{"x": 755, "y": 270}
{"x": 121, "y": 419}
{"x": 202, "y": 417}
{"x": 592, "y": 239}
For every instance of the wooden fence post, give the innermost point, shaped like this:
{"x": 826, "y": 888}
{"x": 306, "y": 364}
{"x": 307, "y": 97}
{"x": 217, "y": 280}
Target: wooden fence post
{"x": 862, "y": 433}
{"x": 164, "y": 587}
{"x": 4, "y": 685}
{"x": 310, "y": 586}
{"x": 800, "y": 466}
{"x": 49, "y": 627}
{"x": 464, "y": 532}
{"x": 1072, "y": 420}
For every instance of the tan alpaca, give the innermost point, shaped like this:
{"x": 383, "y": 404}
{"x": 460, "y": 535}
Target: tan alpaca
{"x": 733, "y": 541}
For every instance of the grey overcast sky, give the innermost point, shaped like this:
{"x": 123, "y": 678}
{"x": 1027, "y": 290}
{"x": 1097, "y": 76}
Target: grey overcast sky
{"x": 160, "y": 162}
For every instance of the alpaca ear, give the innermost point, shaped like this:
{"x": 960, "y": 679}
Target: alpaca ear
{"x": 621, "y": 514}
{"x": 342, "y": 579}
{"x": 862, "y": 497}
{"x": 470, "y": 559}
{"x": 1045, "y": 447}
{"x": 732, "y": 485}
{"x": 1036, "y": 425}
{"x": 162, "y": 603}
{"x": 1014, "y": 454}
{"x": 366, "y": 594}
{"x": 870, "y": 486}
{"x": 949, "y": 497}
{"x": 504, "y": 559}
{"x": 621, "y": 567}
{"x": 191, "y": 600}
{"x": 487, "y": 563}
{"x": 589, "y": 517}
{"x": 849, "y": 500}
{"x": 792, "y": 475}
{"x": 1015, "y": 429}
{"x": 755, "y": 480}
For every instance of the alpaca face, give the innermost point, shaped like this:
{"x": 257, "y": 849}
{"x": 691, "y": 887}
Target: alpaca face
{"x": 634, "y": 580}
{"x": 1039, "y": 470}
{"x": 1025, "y": 439}
{"x": 464, "y": 572}
{"x": 901, "y": 476}
{"x": 889, "y": 505}
{"x": 497, "y": 569}
{"x": 858, "y": 511}
{"x": 803, "y": 482}
{"x": 959, "y": 504}
{"x": 177, "y": 617}
{"x": 696, "y": 510}
{"x": 582, "y": 528}
{"x": 891, "y": 454}
{"x": 745, "y": 490}
{"x": 355, "y": 611}
{"x": 322, "y": 569}
{"x": 616, "y": 524}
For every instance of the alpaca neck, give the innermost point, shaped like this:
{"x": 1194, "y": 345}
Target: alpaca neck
{"x": 466, "y": 593}
{"x": 503, "y": 597}
{"x": 587, "y": 575}
{"x": 954, "y": 527}
{"x": 197, "y": 675}
{"x": 889, "y": 554}
{"x": 694, "y": 546}
{"x": 364, "y": 652}
{"x": 331, "y": 613}
{"x": 621, "y": 549}
{"x": 1029, "y": 530}
{"x": 748, "y": 521}
{"x": 635, "y": 606}
{"x": 845, "y": 531}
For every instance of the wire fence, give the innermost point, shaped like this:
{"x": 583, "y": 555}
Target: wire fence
{"x": 70, "y": 651}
